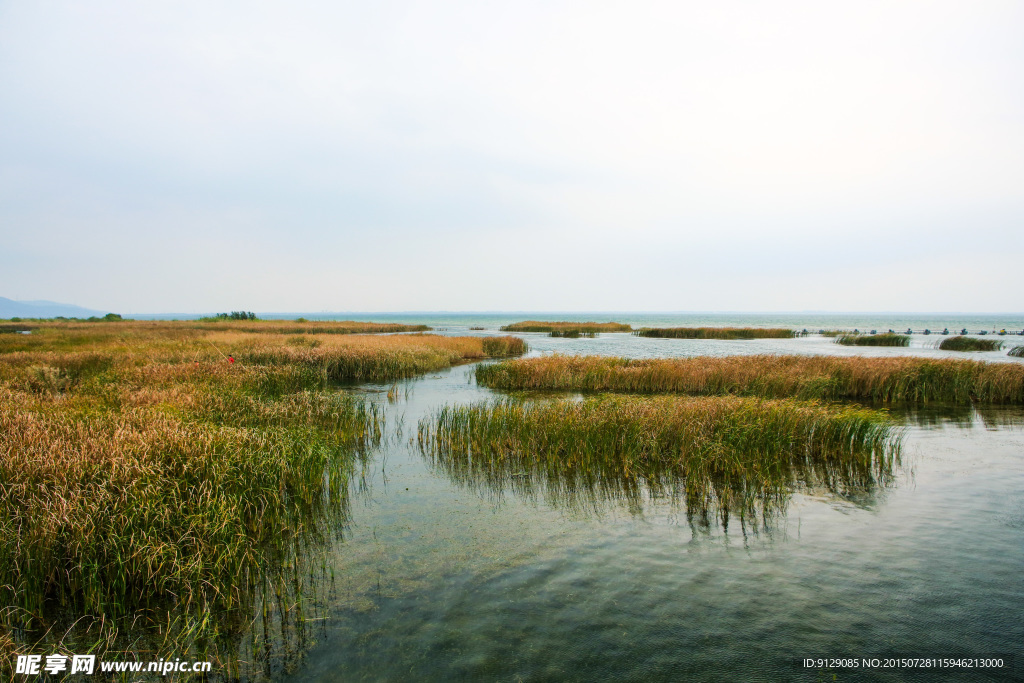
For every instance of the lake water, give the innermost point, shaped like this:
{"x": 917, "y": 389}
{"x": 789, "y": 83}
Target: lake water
{"x": 441, "y": 577}
{"x": 973, "y": 322}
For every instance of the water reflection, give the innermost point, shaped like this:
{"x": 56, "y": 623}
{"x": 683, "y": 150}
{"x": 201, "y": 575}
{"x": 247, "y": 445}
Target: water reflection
{"x": 707, "y": 500}
{"x": 490, "y": 587}
{"x": 938, "y": 416}
{"x": 277, "y": 614}
{"x": 291, "y": 604}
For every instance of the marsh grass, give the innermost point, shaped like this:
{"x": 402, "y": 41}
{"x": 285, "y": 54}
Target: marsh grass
{"x": 1016, "y": 352}
{"x": 961, "y": 343}
{"x": 373, "y": 359}
{"x": 331, "y": 357}
{"x": 563, "y": 326}
{"x": 159, "y": 494}
{"x": 725, "y": 456}
{"x": 306, "y": 327}
{"x": 884, "y": 339}
{"x": 502, "y": 347}
{"x": 160, "y": 335}
{"x": 897, "y": 379}
{"x": 715, "y": 333}
{"x": 572, "y": 334}
{"x": 150, "y": 490}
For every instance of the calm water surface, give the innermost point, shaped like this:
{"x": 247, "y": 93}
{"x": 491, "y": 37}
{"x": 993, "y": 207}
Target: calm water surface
{"x": 443, "y": 578}
{"x": 974, "y": 322}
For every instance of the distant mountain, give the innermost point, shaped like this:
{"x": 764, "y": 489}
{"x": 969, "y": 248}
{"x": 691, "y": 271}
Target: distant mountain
{"x": 43, "y": 309}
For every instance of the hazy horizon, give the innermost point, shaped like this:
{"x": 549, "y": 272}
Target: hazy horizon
{"x": 567, "y": 156}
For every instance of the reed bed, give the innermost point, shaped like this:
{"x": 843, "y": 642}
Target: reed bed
{"x": 961, "y": 343}
{"x": 156, "y": 494}
{"x": 898, "y": 379}
{"x": 373, "y": 358}
{"x": 109, "y": 509}
{"x": 727, "y": 455}
{"x": 157, "y": 335}
{"x": 329, "y": 357}
{"x": 562, "y": 326}
{"x": 715, "y": 333}
{"x": 502, "y": 347}
{"x": 71, "y": 336}
{"x": 884, "y": 339}
{"x": 147, "y": 480}
{"x": 317, "y": 327}
{"x": 1016, "y": 352}
{"x": 572, "y": 334}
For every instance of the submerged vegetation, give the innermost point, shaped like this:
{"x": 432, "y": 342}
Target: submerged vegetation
{"x": 724, "y": 455}
{"x": 961, "y": 343}
{"x": 563, "y": 326}
{"x": 895, "y": 379}
{"x": 885, "y": 339}
{"x": 153, "y": 475}
{"x": 715, "y": 333}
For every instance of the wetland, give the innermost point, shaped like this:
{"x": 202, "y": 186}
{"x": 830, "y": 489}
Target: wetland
{"x": 397, "y": 513}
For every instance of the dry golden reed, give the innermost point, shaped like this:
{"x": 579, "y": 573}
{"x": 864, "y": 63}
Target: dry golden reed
{"x": 143, "y": 474}
{"x": 307, "y": 327}
{"x": 897, "y": 379}
{"x": 334, "y": 357}
{"x": 565, "y": 326}
{"x": 716, "y": 332}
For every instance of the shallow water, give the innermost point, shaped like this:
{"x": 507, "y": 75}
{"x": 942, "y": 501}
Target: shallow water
{"x": 440, "y": 579}
{"x": 626, "y": 345}
{"x": 974, "y": 322}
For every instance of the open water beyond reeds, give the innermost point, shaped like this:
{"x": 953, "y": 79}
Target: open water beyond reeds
{"x": 446, "y": 574}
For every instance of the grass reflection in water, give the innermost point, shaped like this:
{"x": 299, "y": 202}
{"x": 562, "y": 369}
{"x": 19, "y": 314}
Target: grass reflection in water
{"x": 723, "y": 457}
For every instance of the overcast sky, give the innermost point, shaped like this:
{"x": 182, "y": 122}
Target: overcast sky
{"x": 396, "y": 156}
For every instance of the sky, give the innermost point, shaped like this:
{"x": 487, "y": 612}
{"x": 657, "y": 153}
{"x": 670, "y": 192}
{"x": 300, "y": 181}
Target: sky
{"x": 529, "y": 156}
